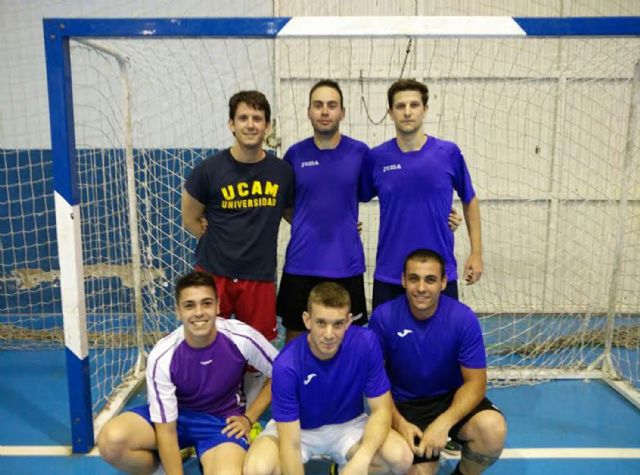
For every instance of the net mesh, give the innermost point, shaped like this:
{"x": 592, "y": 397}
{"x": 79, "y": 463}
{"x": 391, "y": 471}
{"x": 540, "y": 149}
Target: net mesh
{"x": 544, "y": 126}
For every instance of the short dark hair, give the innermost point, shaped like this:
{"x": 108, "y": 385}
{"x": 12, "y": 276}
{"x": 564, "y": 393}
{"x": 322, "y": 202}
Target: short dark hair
{"x": 408, "y": 85}
{"x": 254, "y": 99}
{"x": 329, "y": 294}
{"x": 195, "y": 279}
{"x": 424, "y": 255}
{"x": 327, "y": 83}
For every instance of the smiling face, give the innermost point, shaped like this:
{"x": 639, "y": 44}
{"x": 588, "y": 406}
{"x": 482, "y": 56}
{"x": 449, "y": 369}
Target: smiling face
{"x": 423, "y": 282}
{"x": 197, "y": 309}
{"x": 249, "y": 126}
{"x": 325, "y": 111}
{"x": 408, "y": 112}
{"x": 327, "y": 327}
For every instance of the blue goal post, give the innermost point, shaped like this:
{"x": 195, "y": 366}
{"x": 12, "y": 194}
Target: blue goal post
{"x": 58, "y": 32}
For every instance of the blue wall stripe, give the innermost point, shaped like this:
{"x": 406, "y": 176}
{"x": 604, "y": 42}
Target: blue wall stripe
{"x": 580, "y": 26}
{"x": 78, "y": 375}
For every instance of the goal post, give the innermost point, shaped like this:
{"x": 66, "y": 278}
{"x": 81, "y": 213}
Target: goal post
{"x": 532, "y": 120}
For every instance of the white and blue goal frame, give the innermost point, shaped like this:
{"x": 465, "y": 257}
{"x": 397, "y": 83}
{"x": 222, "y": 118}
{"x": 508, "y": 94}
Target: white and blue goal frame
{"x": 58, "y": 32}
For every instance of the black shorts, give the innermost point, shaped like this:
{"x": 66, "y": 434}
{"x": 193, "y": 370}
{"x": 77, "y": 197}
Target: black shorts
{"x": 422, "y": 412}
{"x": 294, "y": 291}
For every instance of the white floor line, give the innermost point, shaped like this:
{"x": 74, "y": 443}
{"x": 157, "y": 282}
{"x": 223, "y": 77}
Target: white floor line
{"x": 568, "y": 453}
{"x": 547, "y": 453}
{"x": 572, "y": 453}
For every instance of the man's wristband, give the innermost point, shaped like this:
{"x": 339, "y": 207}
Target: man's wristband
{"x": 247, "y": 418}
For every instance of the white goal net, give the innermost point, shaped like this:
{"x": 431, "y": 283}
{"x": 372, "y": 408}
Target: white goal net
{"x": 546, "y": 127}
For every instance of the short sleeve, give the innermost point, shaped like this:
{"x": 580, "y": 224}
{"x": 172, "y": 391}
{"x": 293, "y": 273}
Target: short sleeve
{"x": 285, "y": 404}
{"x": 472, "y": 352}
{"x": 197, "y": 183}
{"x": 161, "y": 392}
{"x": 289, "y": 155}
{"x": 377, "y": 381}
{"x": 290, "y": 196}
{"x": 462, "y": 179}
{"x": 376, "y": 326}
{"x": 366, "y": 187}
{"x": 255, "y": 348}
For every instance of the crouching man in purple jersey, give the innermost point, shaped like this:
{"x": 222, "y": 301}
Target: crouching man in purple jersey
{"x": 319, "y": 380}
{"x": 435, "y": 358}
{"x": 194, "y": 386}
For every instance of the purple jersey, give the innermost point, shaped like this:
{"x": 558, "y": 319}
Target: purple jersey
{"x": 416, "y": 192}
{"x": 318, "y": 392}
{"x": 209, "y": 379}
{"x": 324, "y": 238}
{"x": 423, "y": 357}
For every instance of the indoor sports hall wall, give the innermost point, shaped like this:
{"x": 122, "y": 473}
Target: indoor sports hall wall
{"x": 548, "y": 171}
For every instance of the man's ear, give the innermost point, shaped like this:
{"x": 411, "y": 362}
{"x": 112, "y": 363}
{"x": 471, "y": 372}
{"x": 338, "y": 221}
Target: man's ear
{"x": 306, "y": 318}
{"x": 349, "y": 319}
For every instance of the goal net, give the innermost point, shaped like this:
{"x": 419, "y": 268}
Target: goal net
{"x": 548, "y": 127}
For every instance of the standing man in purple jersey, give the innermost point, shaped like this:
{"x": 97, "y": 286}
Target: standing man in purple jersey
{"x": 319, "y": 381}
{"x": 414, "y": 176}
{"x": 435, "y": 358}
{"x": 325, "y": 244}
{"x": 242, "y": 192}
{"x": 194, "y": 386}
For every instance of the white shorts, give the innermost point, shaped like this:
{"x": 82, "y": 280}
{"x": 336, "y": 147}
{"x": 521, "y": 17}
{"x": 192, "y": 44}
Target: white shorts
{"x": 332, "y": 440}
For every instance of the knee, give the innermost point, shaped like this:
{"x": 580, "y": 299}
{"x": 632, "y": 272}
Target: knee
{"x": 490, "y": 431}
{"x": 401, "y": 459}
{"x": 398, "y": 456}
{"x": 254, "y": 464}
{"x": 112, "y": 442}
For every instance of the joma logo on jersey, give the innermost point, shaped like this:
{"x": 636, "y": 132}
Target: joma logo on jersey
{"x": 309, "y": 378}
{"x": 311, "y": 163}
{"x": 389, "y": 168}
{"x": 255, "y": 189}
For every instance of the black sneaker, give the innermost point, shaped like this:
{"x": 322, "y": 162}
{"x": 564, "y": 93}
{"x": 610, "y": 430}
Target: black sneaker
{"x": 333, "y": 469}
